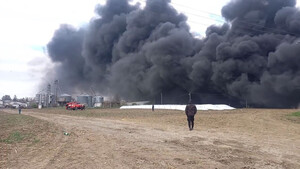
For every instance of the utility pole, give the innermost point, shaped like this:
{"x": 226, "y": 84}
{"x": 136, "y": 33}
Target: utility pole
{"x": 40, "y": 101}
{"x": 47, "y": 99}
{"x": 55, "y": 87}
{"x": 161, "y": 98}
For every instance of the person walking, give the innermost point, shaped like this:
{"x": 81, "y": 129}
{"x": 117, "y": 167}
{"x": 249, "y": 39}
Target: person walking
{"x": 190, "y": 111}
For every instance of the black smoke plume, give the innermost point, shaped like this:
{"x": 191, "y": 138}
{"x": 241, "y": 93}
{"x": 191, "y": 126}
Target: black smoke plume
{"x": 145, "y": 53}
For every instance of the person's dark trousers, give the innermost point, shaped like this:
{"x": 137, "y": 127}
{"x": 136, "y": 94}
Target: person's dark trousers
{"x": 190, "y": 120}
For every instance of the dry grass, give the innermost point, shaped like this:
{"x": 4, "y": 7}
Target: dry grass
{"x": 232, "y": 136}
{"x": 243, "y": 120}
{"x": 22, "y": 132}
{"x": 158, "y": 117}
{"x": 21, "y": 128}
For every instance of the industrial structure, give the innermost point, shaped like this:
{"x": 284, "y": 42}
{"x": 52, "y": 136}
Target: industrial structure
{"x": 64, "y": 99}
{"x": 51, "y": 97}
{"x": 98, "y": 101}
{"x": 85, "y": 99}
{"x": 90, "y": 101}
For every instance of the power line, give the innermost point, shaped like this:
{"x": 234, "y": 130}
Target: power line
{"x": 200, "y": 23}
{"x": 176, "y": 4}
{"x": 244, "y": 22}
{"x": 197, "y": 15}
{"x": 262, "y": 31}
{"x": 223, "y": 21}
{"x": 272, "y": 29}
{"x": 196, "y": 9}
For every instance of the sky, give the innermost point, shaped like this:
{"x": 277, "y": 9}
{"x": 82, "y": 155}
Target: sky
{"x": 27, "y": 27}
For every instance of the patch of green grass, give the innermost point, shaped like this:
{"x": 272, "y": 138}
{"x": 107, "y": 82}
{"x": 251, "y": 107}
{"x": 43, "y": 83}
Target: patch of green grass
{"x": 297, "y": 114}
{"x": 9, "y": 121}
{"x": 35, "y": 141}
{"x": 22, "y": 129}
{"x": 14, "y": 137}
{"x": 294, "y": 117}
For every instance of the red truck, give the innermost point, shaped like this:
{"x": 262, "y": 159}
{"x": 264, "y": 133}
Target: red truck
{"x": 75, "y": 106}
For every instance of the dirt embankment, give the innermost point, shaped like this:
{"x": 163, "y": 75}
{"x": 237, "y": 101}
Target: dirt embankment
{"x": 244, "y": 138}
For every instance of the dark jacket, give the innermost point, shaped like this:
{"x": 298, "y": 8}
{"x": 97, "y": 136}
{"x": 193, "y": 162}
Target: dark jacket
{"x": 190, "y": 110}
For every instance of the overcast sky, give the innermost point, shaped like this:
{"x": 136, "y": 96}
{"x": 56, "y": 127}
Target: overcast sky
{"x": 27, "y": 27}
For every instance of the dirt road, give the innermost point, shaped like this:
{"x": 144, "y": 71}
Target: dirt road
{"x": 229, "y": 140}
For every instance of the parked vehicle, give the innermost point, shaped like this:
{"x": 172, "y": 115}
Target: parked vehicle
{"x": 75, "y": 106}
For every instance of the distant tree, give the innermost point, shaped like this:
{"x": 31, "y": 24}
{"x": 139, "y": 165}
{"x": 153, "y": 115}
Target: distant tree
{"x": 23, "y": 100}
{"x": 116, "y": 102}
{"x": 6, "y": 97}
{"x": 116, "y": 99}
{"x": 15, "y": 98}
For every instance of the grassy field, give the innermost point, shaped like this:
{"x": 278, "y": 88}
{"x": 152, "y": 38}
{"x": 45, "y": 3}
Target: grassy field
{"x": 17, "y": 128}
{"x": 124, "y": 135}
{"x": 21, "y": 132}
{"x": 158, "y": 118}
{"x": 165, "y": 118}
{"x": 297, "y": 114}
{"x": 294, "y": 117}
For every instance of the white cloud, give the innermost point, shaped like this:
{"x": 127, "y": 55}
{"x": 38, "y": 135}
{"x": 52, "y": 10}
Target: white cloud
{"x": 26, "y": 27}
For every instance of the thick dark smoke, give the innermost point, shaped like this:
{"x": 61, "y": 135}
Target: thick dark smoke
{"x": 143, "y": 54}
